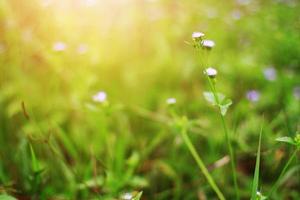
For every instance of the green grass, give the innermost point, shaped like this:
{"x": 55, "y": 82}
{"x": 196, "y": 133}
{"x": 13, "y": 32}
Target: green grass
{"x": 57, "y": 142}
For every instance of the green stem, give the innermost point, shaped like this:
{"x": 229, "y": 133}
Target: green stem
{"x": 276, "y": 185}
{"x": 201, "y": 164}
{"x": 227, "y": 138}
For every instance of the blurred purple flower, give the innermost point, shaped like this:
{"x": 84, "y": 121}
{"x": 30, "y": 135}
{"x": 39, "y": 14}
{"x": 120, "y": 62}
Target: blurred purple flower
{"x": 82, "y": 49}
{"x": 100, "y": 97}
{"x": 211, "y": 13}
{"x": 296, "y": 92}
{"x": 270, "y": 73}
{"x": 59, "y": 46}
{"x": 253, "y": 95}
{"x": 236, "y": 14}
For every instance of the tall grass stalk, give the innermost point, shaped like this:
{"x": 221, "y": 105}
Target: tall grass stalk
{"x": 200, "y": 163}
{"x": 227, "y": 138}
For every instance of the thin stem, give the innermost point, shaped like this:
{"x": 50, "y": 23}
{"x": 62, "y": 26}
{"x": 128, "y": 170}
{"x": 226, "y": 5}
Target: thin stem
{"x": 201, "y": 164}
{"x": 229, "y": 146}
{"x": 276, "y": 185}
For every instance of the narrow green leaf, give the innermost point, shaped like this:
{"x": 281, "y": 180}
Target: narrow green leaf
{"x": 138, "y": 196}
{"x": 7, "y": 197}
{"x": 286, "y": 139}
{"x": 256, "y": 172}
{"x": 34, "y": 162}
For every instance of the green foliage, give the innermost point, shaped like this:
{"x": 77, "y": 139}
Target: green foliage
{"x": 292, "y": 141}
{"x": 57, "y": 142}
{"x": 224, "y": 103}
{"x": 6, "y": 197}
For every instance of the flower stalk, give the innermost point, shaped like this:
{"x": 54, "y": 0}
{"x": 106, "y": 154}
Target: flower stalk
{"x": 211, "y": 81}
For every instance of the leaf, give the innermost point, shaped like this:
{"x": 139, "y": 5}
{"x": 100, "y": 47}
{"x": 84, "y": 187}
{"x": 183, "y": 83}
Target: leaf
{"x": 210, "y": 97}
{"x": 95, "y": 182}
{"x": 256, "y": 172}
{"x": 7, "y": 197}
{"x": 138, "y": 196}
{"x": 224, "y": 106}
{"x": 286, "y": 139}
{"x": 34, "y": 162}
{"x": 138, "y": 182}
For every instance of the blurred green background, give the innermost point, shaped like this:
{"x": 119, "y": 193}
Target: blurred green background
{"x": 56, "y": 54}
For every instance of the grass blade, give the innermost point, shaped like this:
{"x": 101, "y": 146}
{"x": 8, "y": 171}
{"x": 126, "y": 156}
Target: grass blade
{"x": 34, "y": 162}
{"x": 256, "y": 172}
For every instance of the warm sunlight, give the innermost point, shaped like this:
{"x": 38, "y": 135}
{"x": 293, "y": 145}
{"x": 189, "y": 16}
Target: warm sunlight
{"x": 149, "y": 99}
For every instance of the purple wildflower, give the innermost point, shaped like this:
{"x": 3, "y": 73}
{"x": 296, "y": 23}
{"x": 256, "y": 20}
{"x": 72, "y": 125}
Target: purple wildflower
{"x": 253, "y": 95}
{"x": 270, "y": 73}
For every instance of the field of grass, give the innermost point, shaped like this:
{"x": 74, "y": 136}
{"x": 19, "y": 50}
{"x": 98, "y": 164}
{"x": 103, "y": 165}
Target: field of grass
{"x": 128, "y": 100}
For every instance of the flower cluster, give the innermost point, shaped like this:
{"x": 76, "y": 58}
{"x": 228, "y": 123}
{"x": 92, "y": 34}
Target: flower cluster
{"x": 200, "y": 42}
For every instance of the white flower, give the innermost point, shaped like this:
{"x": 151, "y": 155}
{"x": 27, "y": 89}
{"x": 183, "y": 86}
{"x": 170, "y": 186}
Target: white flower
{"x": 208, "y": 44}
{"x": 59, "y": 46}
{"x": 171, "y": 101}
{"x": 127, "y": 196}
{"x": 211, "y": 72}
{"x": 100, "y": 97}
{"x": 197, "y": 35}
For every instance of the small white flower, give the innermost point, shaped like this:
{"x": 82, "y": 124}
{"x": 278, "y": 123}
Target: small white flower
{"x": 171, "y": 101}
{"x": 197, "y": 35}
{"x": 211, "y": 72}
{"x": 59, "y": 46}
{"x": 127, "y": 196}
{"x": 100, "y": 97}
{"x": 208, "y": 44}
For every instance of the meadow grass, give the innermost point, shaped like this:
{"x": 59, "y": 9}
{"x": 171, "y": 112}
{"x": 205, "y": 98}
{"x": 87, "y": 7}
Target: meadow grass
{"x": 115, "y": 99}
